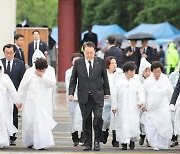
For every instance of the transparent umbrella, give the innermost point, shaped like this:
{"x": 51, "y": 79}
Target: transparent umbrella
{"x": 141, "y": 36}
{"x": 119, "y": 37}
{"x": 177, "y": 41}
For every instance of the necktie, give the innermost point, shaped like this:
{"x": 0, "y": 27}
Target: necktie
{"x": 20, "y": 53}
{"x": 90, "y": 69}
{"x": 35, "y": 46}
{"x": 133, "y": 50}
{"x": 8, "y": 70}
{"x": 144, "y": 50}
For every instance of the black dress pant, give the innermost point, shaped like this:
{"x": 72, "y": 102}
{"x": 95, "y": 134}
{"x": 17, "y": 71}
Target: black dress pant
{"x": 15, "y": 122}
{"x": 86, "y": 110}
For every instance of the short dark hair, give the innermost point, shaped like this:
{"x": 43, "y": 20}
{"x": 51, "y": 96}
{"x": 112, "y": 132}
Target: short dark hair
{"x": 41, "y": 63}
{"x": 76, "y": 55}
{"x": 17, "y": 36}
{"x": 8, "y": 46}
{"x": 111, "y": 39}
{"x": 89, "y": 44}
{"x": 108, "y": 61}
{"x": 36, "y": 31}
{"x": 157, "y": 64}
{"x": 0, "y": 67}
{"x": 129, "y": 66}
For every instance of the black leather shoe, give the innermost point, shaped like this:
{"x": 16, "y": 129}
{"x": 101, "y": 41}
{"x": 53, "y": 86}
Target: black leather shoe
{"x": 96, "y": 146}
{"x": 115, "y": 143}
{"x": 124, "y": 146}
{"x": 87, "y": 148}
{"x": 12, "y": 143}
{"x": 131, "y": 145}
{"x": 141, "y": 140}
{"x": 176, "y": 143}
{"x": 103, "y": 138}
{"x": 30, "y": 147}
{"x": 148, "y": 145}
{"x": 76, "y": 143}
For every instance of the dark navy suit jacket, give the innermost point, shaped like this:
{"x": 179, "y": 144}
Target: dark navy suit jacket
{"x": 17, "y": 55}
{"x": 17, "y": 71}
{"x": 42, "y": 46}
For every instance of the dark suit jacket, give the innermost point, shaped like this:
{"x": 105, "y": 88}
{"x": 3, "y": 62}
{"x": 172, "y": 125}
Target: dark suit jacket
{"x": 92, "y": 38}
{"x": 42, "y": 46}
{"x": 150, "y": 54}
{"x": 117, "y": 53}
{"x": 98, "y": 83}
{"x": 17, "y": 55}
{"x": 135, "y": 57}
{"x": 17, "y": 71}
{"x": 175, "y": 93}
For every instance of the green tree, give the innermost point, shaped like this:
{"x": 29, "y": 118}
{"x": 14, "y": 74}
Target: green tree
{"x": 88, "y": 9}
{"x": 38, "y": 12}
{"x": 130, "y": 13}
{"x": 157, "y": 11}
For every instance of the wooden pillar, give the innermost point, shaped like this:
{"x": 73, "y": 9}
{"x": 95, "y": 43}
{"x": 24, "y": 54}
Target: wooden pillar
{"x": 69, "y": 33}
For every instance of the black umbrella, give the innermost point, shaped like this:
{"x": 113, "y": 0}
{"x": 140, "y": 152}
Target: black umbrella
{"x": 141, "y": 36}
{"x": 119, "y": 37}
{"x": 177, "y": 41}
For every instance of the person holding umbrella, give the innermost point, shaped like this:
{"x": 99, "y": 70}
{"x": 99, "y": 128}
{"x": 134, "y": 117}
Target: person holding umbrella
{"x": 132, "y": 53}
{"x": 147, "y": 51}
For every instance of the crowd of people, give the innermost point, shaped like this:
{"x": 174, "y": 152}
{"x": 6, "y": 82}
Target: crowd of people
{"x": 32, "y": 89}
{"x": 137, "y": 93}
{"x": 126, "y": 92}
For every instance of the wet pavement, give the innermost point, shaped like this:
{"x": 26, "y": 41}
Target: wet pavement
{"x": 62, "y": 135}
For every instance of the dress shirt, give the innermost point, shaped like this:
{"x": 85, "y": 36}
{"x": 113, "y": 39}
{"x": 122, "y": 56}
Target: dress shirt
{"x": 11, "y": 63}
{"x": 38, "y": 41}
{"x": 87, "y": 64}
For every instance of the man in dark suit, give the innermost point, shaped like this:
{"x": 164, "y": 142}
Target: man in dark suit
{"x": 175, "y": 93}
{"x": 15, "y": 69}
{"x": 90, "y": 36}
{"x": 36, "y": 44}
{"x": 18, "y": 42}
{"x": 132, "y": 53}
{"x": 93, "y": 87}
{"x": 147, "y": 51}
{"x": 114, "y": 51}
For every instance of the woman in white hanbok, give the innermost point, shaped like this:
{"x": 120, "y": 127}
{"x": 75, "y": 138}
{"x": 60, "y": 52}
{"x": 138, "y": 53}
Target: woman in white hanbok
{"x": 36, "y": 96}
{"x": 157, "y": 117}
{"x": 144, "y": 73}
{"x": 7, "y": 99}
{"x": 108, "y": 117}
{"x": 74, "y": 109}
{"x": 129, "y": 96}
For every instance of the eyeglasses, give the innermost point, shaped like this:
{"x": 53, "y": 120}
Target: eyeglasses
{"x": 8, "y": 53}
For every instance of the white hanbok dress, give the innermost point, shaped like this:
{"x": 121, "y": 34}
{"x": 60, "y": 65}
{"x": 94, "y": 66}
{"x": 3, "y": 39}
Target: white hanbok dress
{"x": 36, "y": 95}
{"x": 128, "y": 94}
{"x": 157, "y": 119}
{"x": 7, "y": 99}
{"x": 107, "y": 115}
{"x": 74, "y": 109}
{"x": 143, "y": 65}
